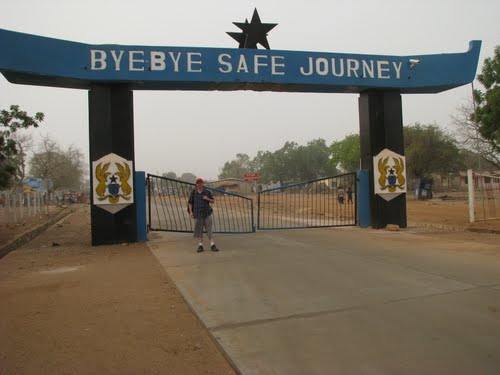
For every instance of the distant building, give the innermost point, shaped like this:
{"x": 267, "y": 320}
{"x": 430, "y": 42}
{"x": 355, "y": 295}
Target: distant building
{"x": 456, "y": 182}
{"x": 233, "y": 185}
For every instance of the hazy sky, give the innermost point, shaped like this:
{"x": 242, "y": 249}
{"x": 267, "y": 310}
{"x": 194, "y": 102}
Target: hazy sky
{"x": 198, "y": 131}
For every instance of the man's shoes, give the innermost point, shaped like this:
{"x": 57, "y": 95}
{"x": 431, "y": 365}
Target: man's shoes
{"x": 214, "y": 248}
{"x": 200, "y": 249}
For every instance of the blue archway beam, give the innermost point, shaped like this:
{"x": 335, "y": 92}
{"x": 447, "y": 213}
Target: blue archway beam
{"x": 36, "y": 60}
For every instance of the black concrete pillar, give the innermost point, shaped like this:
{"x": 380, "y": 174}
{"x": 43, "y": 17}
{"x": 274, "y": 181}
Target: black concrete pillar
{"x": 381, "y": 126}
{"x": 111, "y": 129}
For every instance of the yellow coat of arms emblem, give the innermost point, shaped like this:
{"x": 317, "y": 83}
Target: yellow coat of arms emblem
{"x": 113, "y": 186}
{"x": 112, "y": 182}
{"x": 389, "y": 170}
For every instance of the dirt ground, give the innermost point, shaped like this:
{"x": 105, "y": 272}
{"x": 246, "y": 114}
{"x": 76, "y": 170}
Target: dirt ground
{"x": 450, "y": 220}
{"x": 10, "y": 230}
{"x": 453, "y": 213}
{"x": 74, "y": 309}
{"x": 445, "y": 214}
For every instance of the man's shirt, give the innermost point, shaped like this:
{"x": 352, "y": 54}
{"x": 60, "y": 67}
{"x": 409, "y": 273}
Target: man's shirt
{"x": 201, "y": 208}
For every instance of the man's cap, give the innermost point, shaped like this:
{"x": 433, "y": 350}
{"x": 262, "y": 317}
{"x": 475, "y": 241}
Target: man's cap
{"x": 199, "y": 179}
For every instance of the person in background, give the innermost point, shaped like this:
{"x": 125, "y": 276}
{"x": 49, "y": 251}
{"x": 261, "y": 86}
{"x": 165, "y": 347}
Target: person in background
{"x": 349, "y": 194}
{"x": 340, "y": 195}
{"x": 200, "y": 210}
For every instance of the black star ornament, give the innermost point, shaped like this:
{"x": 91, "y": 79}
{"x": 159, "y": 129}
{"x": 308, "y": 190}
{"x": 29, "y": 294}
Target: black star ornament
{"x": 254, "y": 33}
{"x": 239, "y": 37}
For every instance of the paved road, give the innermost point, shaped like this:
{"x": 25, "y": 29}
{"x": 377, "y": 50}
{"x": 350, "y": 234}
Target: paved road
{"x": 344, "y": 300}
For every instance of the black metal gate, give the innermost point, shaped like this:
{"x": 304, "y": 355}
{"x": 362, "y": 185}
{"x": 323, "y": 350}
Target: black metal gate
{"x": 167, "y": 208}
{"x": 326, "y": 202}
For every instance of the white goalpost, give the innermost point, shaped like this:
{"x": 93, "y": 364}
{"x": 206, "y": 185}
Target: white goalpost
{"x": 484, "y": 196}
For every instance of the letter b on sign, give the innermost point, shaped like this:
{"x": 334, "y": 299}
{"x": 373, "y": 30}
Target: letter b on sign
{"x": 97, "y": 59}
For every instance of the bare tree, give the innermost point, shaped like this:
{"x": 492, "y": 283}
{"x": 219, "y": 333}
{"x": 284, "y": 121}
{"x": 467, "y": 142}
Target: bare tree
{"x": 65, "y": 167}
{"x": 467, "y": 132}
{"x": 24, "y": 145}
{"x": 169, "y": 175}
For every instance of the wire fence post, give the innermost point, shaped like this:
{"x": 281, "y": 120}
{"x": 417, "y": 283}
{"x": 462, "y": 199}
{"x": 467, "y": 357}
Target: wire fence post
{"x": 258, "y": 210}
{"x": 14, "y": 208}
{"x": 21, "y": 207}
{"x": 148, "y": 183}
{"x": 7, "y": 208}
{"x": 470, "y": 187}
{"x": 28, "y": 197}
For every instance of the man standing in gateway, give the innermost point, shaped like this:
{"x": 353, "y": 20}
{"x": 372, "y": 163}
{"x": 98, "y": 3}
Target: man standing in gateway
{"x": 200, "y": 210}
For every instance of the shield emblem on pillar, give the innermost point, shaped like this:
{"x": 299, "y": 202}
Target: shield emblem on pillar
{"x": 389, "y": 173}
{"x": 112, "y": 183}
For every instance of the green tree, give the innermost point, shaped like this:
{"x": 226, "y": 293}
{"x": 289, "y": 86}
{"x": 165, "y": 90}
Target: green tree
{"x": 65, "y": 167}
{"x": 236, "y": 168}
{"x": 487, "y": 113}
{"x": 283, "y": 160}
{"x": 24, "y": 145}
{"x": 291, "y": 163}
{"x": 265, "y": 164}
{"x": 345, "y": 154}
{"x": 188, "y": 177}
{"x": 430, "y": 150}
{"x": 10, "y": 122}
{"x": 312, "y": 161}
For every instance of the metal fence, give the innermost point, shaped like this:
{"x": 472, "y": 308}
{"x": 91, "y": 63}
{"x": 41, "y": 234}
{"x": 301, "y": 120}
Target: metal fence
{"x": 167, "y": 208}
{"x": 326, "y": 202}
{"x": 17, "y": 206}
{"x": 484, "y": 196}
